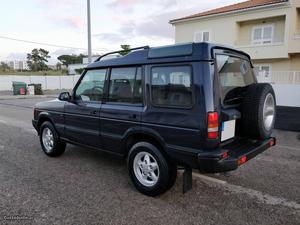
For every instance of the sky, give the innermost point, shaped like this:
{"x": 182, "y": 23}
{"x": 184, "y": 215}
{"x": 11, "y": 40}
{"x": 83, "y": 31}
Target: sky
{"x": 114, "y": 22}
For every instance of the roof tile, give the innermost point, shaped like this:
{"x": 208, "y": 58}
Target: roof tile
{"x": 230, "y": 8}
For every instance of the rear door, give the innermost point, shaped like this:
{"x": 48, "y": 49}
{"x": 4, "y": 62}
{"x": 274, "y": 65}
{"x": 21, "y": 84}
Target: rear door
{"x": 82, "y": 114}
{"x": 122, "y": 109}
{"x": 234, "y": 74}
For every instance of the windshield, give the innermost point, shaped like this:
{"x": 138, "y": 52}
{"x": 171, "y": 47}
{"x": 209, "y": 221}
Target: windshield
{"x": 234, "y": 74}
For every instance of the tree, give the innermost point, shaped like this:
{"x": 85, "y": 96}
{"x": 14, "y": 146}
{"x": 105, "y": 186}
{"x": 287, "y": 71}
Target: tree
{"x": 37, "y": 60}
{"x": 71, "y": 59}
{"x": 79, "y": 71}
{"x": 125, "y": 49}
{"x": 58, "y": 66}
{"x": 4, "y": 66}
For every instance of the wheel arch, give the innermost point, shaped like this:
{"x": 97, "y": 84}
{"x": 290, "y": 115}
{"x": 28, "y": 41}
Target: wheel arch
{"x": 148, "y": 135}
{"x": 43, "y": 117}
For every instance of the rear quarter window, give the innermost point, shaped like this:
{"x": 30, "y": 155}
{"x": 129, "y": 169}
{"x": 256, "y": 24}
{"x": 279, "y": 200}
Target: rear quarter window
{"x": 171, "y": 86}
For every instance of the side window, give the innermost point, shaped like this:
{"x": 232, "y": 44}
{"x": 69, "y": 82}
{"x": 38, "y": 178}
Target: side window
{"x": 125, "y": 85}
{"x": 91, "y": 86}
{"x": 171, "y": 86}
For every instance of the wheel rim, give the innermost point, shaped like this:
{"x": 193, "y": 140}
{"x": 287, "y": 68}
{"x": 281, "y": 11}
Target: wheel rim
{"x": 269, "y": 111}
{"x": 146, "y": 169}
{"x": 48, "y": 140}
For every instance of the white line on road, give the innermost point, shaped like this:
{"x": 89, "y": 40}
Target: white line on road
{"x": 260, "y": 196}
{"x": 2, "y": 121}
{"x": 212, "y": 179}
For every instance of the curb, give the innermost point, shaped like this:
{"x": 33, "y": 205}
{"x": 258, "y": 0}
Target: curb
{"x": 26, "y": 97}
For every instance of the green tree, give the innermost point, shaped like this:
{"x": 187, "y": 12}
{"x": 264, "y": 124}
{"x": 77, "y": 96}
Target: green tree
{"x": 58, "y": 66}
{"x": 79, "y": 71}
{"x": 37, "y": 59}
{"x": 4, "y": 67}
{"x": 71, "y": 59}
{"x": 125, "y": 49}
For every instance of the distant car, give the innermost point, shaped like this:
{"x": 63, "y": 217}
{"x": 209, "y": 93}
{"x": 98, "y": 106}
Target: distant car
{"x": 196, "y": 105}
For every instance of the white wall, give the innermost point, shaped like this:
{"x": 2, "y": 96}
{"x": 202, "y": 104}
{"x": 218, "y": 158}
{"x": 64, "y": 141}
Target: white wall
{"x": 287, "y": 94}
{"x": 48, "y": 82}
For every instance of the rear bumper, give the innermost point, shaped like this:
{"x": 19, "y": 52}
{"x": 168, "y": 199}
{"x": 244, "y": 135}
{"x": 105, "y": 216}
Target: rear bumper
{"x": 225, "y": 158}
{"x": 232, "y": 155}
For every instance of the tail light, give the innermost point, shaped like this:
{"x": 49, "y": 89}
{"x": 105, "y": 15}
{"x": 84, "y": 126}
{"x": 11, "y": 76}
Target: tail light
{"x": 212, "y": 125}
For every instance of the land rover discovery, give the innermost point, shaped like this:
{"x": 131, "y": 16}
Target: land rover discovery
{"x": 193, "y": 105}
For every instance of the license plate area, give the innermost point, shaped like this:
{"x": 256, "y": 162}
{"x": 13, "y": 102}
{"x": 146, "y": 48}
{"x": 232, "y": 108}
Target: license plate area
{"x": 228, "y": 129}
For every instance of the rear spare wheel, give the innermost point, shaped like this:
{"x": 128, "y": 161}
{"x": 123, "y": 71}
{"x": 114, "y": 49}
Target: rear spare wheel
{"x": 258, "y": 111}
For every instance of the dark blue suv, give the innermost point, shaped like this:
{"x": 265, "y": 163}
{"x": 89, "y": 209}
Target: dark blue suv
{"x": 194, "y": 105}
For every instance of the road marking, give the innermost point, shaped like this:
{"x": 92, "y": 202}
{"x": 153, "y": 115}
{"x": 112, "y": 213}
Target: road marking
{"x": 212, "y": 179}
{"x": 288, "y": 147}
{"x": 2, "y": 121}
{"x": 258, "y": 195}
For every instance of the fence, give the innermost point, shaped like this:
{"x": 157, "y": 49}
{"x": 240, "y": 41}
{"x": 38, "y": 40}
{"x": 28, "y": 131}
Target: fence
{"x": 285, "y": 83}
{"x": 48, "y": 82}
{"x": 279, "y": 77}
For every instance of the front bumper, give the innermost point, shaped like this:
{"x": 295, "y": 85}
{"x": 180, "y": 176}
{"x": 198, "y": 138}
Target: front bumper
{"x": 35, "y": 124}
{"x": 232, "y": 155}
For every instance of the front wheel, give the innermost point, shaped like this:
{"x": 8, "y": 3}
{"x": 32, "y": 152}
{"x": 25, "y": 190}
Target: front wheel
{"x": 149, "y": 170}
{"x": 50, "y": 142}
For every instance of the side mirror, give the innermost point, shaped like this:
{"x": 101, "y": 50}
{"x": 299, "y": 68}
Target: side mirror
{"x": 64, "y": 96}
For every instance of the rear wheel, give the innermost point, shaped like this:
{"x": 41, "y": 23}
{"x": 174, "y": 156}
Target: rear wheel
{"x": 149, "y": 170}
{"x": 259, "y": 111}
{"x": 50, "y": 142}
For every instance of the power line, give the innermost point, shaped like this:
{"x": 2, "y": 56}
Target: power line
{"x": 48, "y": 44}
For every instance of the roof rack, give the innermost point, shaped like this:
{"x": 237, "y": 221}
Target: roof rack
{"x": 129, "y": 50}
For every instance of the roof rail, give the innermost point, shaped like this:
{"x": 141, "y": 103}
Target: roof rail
{"x": 132, "y": 49}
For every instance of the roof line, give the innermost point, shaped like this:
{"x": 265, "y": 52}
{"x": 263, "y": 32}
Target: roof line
{"x": 191, "y": 18}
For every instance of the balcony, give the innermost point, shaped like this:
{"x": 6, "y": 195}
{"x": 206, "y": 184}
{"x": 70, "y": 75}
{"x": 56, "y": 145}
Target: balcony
{"x": 279, "y": 77}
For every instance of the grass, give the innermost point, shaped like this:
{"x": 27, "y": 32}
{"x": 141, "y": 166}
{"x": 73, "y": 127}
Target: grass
{"x": 33, "y": 73}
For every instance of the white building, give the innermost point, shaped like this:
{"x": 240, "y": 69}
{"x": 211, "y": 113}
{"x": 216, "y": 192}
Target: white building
{"x": 17, "y": 64}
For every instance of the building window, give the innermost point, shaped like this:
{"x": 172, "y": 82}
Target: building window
{"x": 263, "y": 72}
{"x": 172, "y": 86}
{"x": 202, "y": 36}
{"x": 262, "y": 34}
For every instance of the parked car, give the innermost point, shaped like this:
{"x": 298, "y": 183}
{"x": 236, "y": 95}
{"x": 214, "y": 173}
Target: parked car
{"x": 196, "y": 105}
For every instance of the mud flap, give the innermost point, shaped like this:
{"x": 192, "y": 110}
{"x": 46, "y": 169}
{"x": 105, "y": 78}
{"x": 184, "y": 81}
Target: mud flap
{"x": 187, "y": 183}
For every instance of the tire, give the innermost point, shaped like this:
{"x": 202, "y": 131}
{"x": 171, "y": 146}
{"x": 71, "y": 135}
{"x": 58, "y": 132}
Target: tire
{"x": 57, "y": 147}
{"x": 166, "y": 172}
{"x": 258, "y": 111}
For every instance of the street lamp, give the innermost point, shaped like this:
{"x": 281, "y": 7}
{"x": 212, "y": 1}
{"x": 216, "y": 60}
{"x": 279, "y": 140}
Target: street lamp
{"x": 89, "y": 31}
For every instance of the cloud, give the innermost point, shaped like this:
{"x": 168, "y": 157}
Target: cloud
{"x": 65, "y": 12}
{"x": 74, "y": 22}
{"x": 112, "y": 38}
{"x": 16, "y": 56}
{"x": 65, "y": 51}
{"x": 123, "y": 3}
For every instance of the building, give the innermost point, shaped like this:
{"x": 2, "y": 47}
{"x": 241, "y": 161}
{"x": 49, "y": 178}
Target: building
{"x": 268, "y": 30}
{"x": 17, "y": 64}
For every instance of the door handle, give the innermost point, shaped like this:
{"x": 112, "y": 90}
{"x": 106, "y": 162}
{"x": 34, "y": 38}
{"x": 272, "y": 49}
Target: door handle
{"x": 94, "y": 112}
{"x": 132, "y": 116}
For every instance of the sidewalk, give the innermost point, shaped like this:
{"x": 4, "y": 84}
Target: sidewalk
{"x": 12, "y": 97}
{"x": 8, "y": 95}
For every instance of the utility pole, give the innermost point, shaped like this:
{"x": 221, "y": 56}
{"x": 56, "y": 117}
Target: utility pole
{"x": 89, "y": 31}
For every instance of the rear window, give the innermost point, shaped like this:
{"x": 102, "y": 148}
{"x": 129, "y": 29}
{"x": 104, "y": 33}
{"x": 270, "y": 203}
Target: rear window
{"x": 234, "y": 74}
{"x": 171, "y": 86}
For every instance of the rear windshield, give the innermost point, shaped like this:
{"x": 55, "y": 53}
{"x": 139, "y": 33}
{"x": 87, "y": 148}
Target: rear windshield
{"x": 234, "y": 74}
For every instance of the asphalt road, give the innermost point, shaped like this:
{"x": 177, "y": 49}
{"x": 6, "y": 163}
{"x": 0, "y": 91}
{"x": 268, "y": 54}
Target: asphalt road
{"x": 89, "y": 187}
